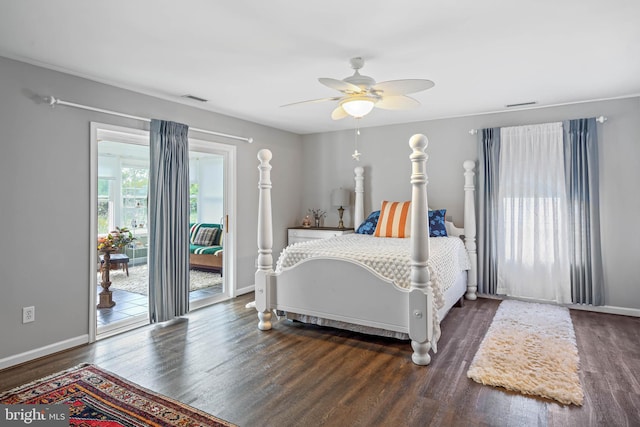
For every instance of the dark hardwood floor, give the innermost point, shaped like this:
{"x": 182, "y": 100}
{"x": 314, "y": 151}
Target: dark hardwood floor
{"x": 216, "y": 359}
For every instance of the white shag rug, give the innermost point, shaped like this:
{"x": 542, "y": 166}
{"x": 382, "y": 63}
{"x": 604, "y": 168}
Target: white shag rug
{"x": 530, "y": 348}
{"x": 138, "y": 280}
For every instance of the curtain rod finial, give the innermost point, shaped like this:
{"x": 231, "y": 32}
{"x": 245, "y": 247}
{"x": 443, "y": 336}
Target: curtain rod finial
{"x": 52, "y": 101}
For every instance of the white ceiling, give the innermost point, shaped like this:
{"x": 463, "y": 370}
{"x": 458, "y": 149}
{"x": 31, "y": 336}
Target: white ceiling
{"x": 250, "y": 57}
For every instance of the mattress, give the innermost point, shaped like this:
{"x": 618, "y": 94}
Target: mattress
{"x": 389, "y": 257}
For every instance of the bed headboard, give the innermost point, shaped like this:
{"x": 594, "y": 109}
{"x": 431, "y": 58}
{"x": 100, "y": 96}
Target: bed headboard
{"x": 452, "y": 230}
{"x": 468, "y": 231}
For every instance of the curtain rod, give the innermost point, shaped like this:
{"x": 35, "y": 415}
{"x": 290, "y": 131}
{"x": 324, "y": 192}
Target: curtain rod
{"x": 600, "y": 119}
{"x": 52, "y": 101}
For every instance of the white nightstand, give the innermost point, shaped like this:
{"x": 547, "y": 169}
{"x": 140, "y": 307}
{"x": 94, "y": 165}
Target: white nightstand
{"x": 302, "y": 234}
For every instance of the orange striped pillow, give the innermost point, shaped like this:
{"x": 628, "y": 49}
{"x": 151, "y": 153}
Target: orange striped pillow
{"x": 395, "y": 220}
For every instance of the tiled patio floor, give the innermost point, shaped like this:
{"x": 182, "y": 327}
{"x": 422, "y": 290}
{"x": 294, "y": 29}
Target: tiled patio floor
{"x": 130, "y": 305}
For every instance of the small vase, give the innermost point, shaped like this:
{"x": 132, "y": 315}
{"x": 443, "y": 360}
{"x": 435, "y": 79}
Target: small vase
{"x": 317, "y": 222}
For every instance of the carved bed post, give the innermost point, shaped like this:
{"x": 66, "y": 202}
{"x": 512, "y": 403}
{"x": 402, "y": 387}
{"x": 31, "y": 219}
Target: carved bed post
{"x": 470, "y": 229}
{"x": 358, "y": 215}
{"x": 265, "y": 242}
{"x": 420, "y": 295}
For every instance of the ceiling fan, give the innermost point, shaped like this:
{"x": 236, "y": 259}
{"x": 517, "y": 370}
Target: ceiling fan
{"x": 360, "y": 94}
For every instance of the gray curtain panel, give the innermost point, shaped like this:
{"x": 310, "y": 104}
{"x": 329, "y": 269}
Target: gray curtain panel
{"x": 581, "y": 172}
{"x": 488, "y": 171}
{"x": 168, "y": 255}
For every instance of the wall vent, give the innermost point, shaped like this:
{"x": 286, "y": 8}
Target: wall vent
{"x": 195, "y": 98}
{"x": 521, "y": 104}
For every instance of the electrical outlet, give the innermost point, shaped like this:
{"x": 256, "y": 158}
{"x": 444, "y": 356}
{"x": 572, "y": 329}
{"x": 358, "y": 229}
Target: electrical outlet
{"x": 28, "y": 314}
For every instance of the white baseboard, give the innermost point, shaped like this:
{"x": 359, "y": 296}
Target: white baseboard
{"x": 608, "y": 309}
{"x": 43, "y": 351}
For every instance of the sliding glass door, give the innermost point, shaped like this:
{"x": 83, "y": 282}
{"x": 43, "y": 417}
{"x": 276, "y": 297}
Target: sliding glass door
{"x": 206, "y": 225}
{"x": 122, "y": 187}
{"x": 120, "y": 182}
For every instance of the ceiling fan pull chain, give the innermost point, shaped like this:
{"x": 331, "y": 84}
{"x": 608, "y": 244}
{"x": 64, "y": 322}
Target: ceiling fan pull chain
{"x": 356, "y": 153}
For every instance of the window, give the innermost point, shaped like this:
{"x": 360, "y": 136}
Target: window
{"x": 135, "y": 184}
{"x": 193, "y": 202}
{"x": 533, "y": 260}
{"x": 206, "y": 188}
{"x": 105, "y": 206}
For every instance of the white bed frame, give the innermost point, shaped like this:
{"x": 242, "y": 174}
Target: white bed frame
{"x": 348, "y": 291}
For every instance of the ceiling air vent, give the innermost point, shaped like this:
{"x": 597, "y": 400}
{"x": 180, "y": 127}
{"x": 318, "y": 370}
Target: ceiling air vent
{"x": 194, "y": 98}
{"x": 521, "y": 104}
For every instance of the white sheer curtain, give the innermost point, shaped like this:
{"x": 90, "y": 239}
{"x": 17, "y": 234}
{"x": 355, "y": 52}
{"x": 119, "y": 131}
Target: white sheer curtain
{"x": 533, "y": 259}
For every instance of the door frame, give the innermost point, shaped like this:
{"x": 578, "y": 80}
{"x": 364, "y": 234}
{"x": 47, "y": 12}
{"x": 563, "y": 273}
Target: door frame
{"x": 230, "y": 205}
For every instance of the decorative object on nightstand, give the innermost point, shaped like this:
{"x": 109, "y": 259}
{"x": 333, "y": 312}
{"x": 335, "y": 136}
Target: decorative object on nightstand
{"x": 306, "y": 222}
{"x": 318, "y": 214}
{"x": 340, "y": 197}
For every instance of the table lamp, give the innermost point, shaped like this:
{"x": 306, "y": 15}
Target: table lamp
{"x": 340, "y": 197}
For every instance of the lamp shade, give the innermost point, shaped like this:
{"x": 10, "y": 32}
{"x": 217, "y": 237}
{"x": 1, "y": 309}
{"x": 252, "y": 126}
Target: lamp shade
{"x": 340, "y": 197}
{"x": 358, "y": 106}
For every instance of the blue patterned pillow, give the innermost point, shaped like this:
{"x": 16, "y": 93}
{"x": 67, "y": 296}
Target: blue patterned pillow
{"x": 369, "y": 224}
{"x": 436, "y": 223}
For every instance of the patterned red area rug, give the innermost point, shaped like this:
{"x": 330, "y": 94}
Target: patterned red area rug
{"x": 99, "y": 398}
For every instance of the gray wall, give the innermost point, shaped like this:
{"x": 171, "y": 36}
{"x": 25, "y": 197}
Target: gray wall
{"x": 44, "y": 193}
{"x": 44, "y": 187}
{"x": 327, "y": 164}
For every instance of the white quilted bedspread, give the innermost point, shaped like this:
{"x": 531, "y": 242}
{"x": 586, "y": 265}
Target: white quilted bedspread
{"x": 390, "y": 257}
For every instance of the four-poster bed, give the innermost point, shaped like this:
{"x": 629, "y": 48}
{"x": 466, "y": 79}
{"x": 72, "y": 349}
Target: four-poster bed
{"x": 350, "y": 291}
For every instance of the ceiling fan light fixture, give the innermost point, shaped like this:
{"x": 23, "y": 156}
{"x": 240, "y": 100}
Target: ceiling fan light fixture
{"x": 359, "y": 94}
{"x": 358, "y": 106}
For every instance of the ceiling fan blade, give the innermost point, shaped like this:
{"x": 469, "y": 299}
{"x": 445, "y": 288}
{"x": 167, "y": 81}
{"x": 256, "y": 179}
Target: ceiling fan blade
{"x": 312, "y": 101}
{"x": 340, "y": 85}
{"x": 338, "y": 113}
{"x": 399, "y": 102}
{"x": 402, "y": 87}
